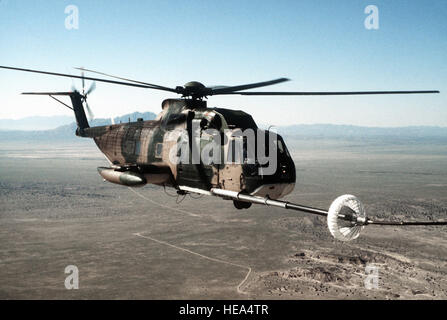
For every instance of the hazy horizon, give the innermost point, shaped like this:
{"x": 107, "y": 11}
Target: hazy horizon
{"x": 16, "y": 124}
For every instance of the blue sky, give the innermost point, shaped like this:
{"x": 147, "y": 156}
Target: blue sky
{"x": 320, "y": 45}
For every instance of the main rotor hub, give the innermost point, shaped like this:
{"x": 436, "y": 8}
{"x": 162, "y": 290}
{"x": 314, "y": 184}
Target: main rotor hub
{"x": 194, "y": 89}
{"x": 194, "y": 85}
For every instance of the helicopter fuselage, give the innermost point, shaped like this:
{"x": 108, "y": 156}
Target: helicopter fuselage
{"x": 154, "y": 151}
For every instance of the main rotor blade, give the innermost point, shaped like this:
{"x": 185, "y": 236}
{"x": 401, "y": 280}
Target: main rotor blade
{"x": 83, "y": 83}
{"x": 49, "y": 93}
{"x": 229, "y": 90}
{"x": 87, "y": 78}
{"x": 130, "y": 80}
{"x": 323, "y": 93}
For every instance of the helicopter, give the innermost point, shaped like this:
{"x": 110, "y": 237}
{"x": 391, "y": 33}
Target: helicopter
{"x": 218, "y": 152}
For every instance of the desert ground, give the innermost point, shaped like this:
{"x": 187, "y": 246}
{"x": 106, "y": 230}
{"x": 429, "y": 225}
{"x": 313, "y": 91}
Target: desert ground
{"x": 56, "y": 211}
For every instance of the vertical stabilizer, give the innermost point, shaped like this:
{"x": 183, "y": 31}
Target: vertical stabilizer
{"x": 78, "y": 108}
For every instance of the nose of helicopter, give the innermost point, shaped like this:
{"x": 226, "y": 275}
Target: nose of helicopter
{"x": 286, "y": 172}
{"x": 284, "y": 178}
{"x": 275, "y": 186}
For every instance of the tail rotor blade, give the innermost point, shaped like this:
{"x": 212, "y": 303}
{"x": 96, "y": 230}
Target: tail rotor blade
{"x": 92, "y": 88}
{"x": 89, "y": 111}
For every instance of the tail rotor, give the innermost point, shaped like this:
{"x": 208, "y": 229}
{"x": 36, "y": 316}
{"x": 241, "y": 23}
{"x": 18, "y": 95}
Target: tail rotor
{"x": 84, "y": 95}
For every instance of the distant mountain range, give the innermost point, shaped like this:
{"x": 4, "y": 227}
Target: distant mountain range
{"x": 53, "y": 122}
{"x": 62, "y": 132}
{"x": 348, "y": 131}
{"x": 66, "y": 131}
{"x": 35, "y": 123}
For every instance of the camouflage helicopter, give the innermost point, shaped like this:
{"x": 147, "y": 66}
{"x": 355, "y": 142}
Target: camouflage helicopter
{"x": 145, "y": 152}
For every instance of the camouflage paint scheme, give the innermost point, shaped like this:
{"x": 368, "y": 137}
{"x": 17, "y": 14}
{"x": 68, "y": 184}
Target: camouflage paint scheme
{"x": 144, "y": 147}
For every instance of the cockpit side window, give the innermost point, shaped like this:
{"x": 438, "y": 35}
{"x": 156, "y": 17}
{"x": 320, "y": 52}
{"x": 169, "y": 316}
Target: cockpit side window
{"x": 282, "y": 147}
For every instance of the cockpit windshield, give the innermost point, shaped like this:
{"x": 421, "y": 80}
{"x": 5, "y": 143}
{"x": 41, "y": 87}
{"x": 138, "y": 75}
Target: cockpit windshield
{"x": 238, "y": 119}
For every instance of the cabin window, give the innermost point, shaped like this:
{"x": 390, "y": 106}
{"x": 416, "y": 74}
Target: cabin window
{"x": 158, "y": 150}
{"x": 137, "y": 148}
{"x": 235, "y": 151}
